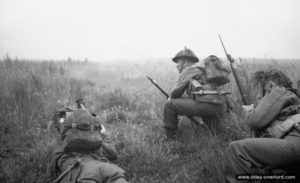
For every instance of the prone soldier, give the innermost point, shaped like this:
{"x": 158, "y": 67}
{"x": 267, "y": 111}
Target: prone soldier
{"x": 83, "y": 151}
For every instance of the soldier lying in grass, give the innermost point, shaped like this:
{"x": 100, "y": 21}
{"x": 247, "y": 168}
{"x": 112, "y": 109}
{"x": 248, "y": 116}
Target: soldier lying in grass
{"x": 83, "y": 153}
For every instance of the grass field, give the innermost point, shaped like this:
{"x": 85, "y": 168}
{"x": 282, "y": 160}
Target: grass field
{"x": 129, "y": 106}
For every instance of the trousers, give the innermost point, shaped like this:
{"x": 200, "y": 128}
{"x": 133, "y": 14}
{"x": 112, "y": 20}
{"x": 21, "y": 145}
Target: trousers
{"x": 262, "y": 155}
{"x": 209, "y": 112}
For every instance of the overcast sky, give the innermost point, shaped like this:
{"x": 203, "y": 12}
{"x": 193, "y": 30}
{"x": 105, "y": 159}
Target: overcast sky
{"x": 138, "y": 29}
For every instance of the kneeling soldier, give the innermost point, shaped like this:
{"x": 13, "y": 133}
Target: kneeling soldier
{"x": 193, "y": 94}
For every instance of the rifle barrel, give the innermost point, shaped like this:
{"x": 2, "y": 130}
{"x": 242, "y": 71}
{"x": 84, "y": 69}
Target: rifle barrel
{"x": 157, "y": 86}
{"x": 239, "y": 84}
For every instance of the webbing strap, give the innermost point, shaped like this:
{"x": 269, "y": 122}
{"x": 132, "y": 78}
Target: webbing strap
{"x": 83, "y": 126}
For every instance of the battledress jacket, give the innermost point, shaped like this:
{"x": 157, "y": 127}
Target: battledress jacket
{"x": 60, "y": 159}
{"x": 198, "y": 73}
{"x": 269, "y": 107}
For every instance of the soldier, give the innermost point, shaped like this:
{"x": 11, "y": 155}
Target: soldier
{"x": 83, "y": 152}
{"x": 276, "y": 116}
{"x": 183, "y": 101}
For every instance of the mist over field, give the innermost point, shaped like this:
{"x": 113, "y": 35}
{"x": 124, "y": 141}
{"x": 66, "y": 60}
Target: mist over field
{"x": 128, "y": 105}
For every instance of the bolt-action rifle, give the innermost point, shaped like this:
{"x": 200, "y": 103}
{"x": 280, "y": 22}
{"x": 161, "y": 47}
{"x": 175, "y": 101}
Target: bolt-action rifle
{"x": 239, "y": 84}
{"x": 237, "y": 79}
{"x": 196, "y": 122}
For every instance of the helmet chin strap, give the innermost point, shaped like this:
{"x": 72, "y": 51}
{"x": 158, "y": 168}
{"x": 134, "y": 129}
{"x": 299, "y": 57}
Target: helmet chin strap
{"x": 183, "y": 65}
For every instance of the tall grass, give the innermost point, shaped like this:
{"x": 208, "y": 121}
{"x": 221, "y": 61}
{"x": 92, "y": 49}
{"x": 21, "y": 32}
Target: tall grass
{"x": 130, "y": 107}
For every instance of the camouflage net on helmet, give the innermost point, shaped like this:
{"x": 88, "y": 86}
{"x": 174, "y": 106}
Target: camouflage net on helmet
{"x": 276, "y": 76}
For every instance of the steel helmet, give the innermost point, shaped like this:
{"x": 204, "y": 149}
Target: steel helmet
{"x": 186, "y": 53}
{"x": 80, "y": 119}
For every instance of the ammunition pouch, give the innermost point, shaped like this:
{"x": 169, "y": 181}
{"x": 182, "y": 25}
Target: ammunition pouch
{"x": 279, "y": 129}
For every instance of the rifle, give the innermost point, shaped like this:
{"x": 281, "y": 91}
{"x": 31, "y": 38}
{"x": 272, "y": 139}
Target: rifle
{"x": 167, "y": 96}
{"x": 73, "y": 165}
{"x": 235, "y": 75}
{"x": 239, "y": 84}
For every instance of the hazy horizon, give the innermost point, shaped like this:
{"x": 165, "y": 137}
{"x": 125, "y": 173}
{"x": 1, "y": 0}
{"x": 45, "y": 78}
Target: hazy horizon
{"x": 149, "y": 60}
{"x": 138, "y": 30}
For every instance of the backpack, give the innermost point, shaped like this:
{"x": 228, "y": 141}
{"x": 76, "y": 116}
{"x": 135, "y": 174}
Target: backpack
{"x": 215, "y": 71}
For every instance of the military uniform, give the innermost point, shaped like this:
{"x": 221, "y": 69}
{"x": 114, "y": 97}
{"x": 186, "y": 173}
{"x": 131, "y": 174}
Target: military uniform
{"x": 94, "y": 162}
{"x": 182, "y": 102}
{"x": 261, "y": 155}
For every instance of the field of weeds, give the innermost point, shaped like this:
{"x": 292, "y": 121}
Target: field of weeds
{"x": 131, "y": 109}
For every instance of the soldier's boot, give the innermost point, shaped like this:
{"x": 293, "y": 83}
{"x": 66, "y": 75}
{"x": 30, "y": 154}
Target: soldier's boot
{"x": 171, "y": 133}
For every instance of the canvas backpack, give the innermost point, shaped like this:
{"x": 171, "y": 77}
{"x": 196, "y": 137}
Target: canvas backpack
{"x": 215, "y": 71}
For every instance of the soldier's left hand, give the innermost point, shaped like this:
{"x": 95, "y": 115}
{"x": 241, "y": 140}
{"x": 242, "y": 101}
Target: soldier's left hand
{"x": 103, "y": 130}
{"x": 248, "y": 108}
